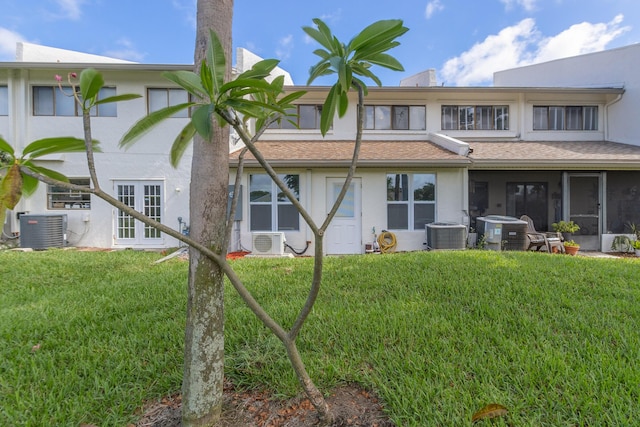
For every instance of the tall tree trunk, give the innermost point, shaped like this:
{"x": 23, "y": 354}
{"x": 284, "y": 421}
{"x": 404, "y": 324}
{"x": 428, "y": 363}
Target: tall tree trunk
{"x": 202, "y": 387}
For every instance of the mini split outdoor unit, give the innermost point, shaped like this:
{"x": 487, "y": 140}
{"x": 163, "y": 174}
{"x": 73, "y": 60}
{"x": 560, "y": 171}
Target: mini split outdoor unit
{"x": 43, "y": 231}
{"x": 503, "y": 232}
{"x": 446, "y": 235}
{"x": 268, "y": 243}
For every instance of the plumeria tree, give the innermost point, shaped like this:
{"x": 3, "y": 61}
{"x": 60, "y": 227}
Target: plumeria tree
{"x": 249, "y": 104}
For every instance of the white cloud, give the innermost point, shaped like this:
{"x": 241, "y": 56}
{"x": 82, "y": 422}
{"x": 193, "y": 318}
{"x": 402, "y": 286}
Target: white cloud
{"x": 8, "y": 40}
{"x": 432, "y": 7}
{"x": 126, "y": 51}
{"x": 285, "y": 46}
{"x": 528, "y": 5}
{"x": 70, "y": 9}
{"x": 522, "y": 44}
{"x": 580, "y": 39}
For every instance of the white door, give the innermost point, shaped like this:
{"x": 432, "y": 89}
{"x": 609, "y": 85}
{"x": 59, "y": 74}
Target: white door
{"x": 344, "y": 235}
{"x": 145, "y": 197}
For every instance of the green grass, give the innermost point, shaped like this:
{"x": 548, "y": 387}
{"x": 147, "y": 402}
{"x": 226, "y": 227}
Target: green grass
{"x": 438, "y": 335}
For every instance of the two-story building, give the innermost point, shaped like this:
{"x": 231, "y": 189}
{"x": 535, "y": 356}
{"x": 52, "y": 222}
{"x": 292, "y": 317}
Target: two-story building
{"x": 430, "y": 153}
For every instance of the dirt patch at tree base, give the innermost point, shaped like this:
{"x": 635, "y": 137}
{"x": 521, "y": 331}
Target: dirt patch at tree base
{"x": 351, "y": 405}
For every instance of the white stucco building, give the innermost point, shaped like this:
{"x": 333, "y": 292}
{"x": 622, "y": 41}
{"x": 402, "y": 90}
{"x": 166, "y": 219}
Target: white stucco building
{"x": 559, "y": 147}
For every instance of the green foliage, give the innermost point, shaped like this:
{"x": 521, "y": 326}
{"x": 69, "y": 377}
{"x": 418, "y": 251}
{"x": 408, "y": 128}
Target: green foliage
{"x": 570, "y": 243}
{"x": 444, "y": 335}
{"x": 565, "y": 227}
{"x": 621, "y": 243}
{"x": 248, "y": 96}
{"x": 15, "y": 182}
{"x": 349, "y": 61}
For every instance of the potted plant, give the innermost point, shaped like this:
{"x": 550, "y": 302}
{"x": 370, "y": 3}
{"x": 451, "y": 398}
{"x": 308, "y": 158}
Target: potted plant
{"x": 567, "y": 228}
{"x": 571, "y": 247}
{"x": 636, "y": 246}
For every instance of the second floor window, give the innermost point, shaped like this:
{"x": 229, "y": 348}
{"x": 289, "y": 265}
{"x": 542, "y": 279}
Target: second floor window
{"x": 396, "y": 117}
{"x": 4, "y": 101}
{"x": 475, "y": 117}
{"x": 303, "y": 116}
{"x": 51, "y": 101}
{"x": 558, "y": 117}
{"x": 160, "y": 98}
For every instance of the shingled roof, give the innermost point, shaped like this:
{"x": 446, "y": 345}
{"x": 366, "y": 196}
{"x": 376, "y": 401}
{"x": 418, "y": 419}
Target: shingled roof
{"x": 339, "y": 153}
{"x": 554, "y": 155}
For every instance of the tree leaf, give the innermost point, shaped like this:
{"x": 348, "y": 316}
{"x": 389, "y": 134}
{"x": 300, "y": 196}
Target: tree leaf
{"x": 492, "y": 410}
{"x": 181, "y": 143}
{"x": 201, "y": 119}
{"x": 11, "y": 187}
{"x": 46, "y": 172}
{"x": 91, "y": 81}
{"x": 329, "y": 109}
{"x": 188, "y": 80}
{"x": 6, "y": 147}
{"x": 216, "y": 61}
{"x": 118, "y": 98}
{"x": 381, "y": 30}
{"x": 29, "y": 185}
{"x": 387, "y": 61}
{"x": 145, "y": 124}
{"x": 63, "y": 144}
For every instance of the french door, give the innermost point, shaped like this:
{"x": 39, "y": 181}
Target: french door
{"x": 146, "y": 197}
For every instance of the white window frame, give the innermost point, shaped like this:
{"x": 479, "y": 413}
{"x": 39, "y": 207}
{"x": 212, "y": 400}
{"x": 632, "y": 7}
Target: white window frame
{"x": 4, "y": 100}
{"x": 62, "y": 104}
{"x": 560, "y": 118}
{"x": 408, "y": 199}
{"x": 394, "y": 117}
{"x": 474, "y": 117}
{"x": 62, "y": 198}
{"x": 168, "y": 97}
{"x": 275, "y": 202}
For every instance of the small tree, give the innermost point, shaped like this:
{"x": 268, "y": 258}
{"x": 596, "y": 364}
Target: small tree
{"x": 236, "y": 102}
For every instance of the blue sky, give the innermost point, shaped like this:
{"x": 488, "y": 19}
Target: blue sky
{"x": 465, "y": 41}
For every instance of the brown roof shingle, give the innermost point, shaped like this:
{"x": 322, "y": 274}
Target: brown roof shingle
{"x": 339, "y": 153}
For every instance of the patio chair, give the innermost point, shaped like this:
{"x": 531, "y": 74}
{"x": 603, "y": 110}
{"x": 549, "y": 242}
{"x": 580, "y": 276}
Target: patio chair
{"x": 538, "y": 240}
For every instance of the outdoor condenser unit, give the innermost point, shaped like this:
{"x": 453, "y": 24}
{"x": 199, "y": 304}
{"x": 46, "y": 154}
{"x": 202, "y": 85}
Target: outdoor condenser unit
{"x": 502, "y": 232}
{"x": 446, "y": 235}
{"x": 43, "y": 231}
{"x": 268, "y": 243}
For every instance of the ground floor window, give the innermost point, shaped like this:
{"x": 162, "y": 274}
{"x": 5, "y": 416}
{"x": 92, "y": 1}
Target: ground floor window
{"x": 623, "y": 201}
{"x": 269, "y": 208}
{"x": 59, "y": 197}
{"x": 411, "y": 200}
{"x": 529, "y": 198}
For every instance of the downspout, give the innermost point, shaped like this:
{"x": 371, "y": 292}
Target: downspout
{"x": 606, "y": 115}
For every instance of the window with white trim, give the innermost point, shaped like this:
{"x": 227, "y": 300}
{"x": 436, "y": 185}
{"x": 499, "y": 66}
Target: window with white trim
{"x": 269, "y": 208}
{"x": 4, "y": 101}
{"x": 396, "y": 117}
{"x": 159, "y": 98}
{"x": 51, "y": 101}
{"x": 411, "y": 200}
{"x": 59, "y": 197}
{"x": 475, "y": 117}
{"x": 559, "y": 117}
{"x": 302, "y": 116}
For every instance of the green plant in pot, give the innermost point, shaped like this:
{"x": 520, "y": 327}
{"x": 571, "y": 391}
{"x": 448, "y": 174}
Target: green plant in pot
{"x": 636, "y": 246}
{"x": 571, "y": 247}
{"x": 567, "y": 228}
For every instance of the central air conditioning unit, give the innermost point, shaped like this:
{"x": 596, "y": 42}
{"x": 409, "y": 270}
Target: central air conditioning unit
{"x": 503, "y": 232}
{"x": 43, "y": 231}
{"x": 446, "y": 235}
{"x": 268, "y": 243}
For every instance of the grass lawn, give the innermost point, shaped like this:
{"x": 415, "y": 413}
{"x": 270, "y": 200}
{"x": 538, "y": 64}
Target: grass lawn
{"x": 86, "y": 337}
